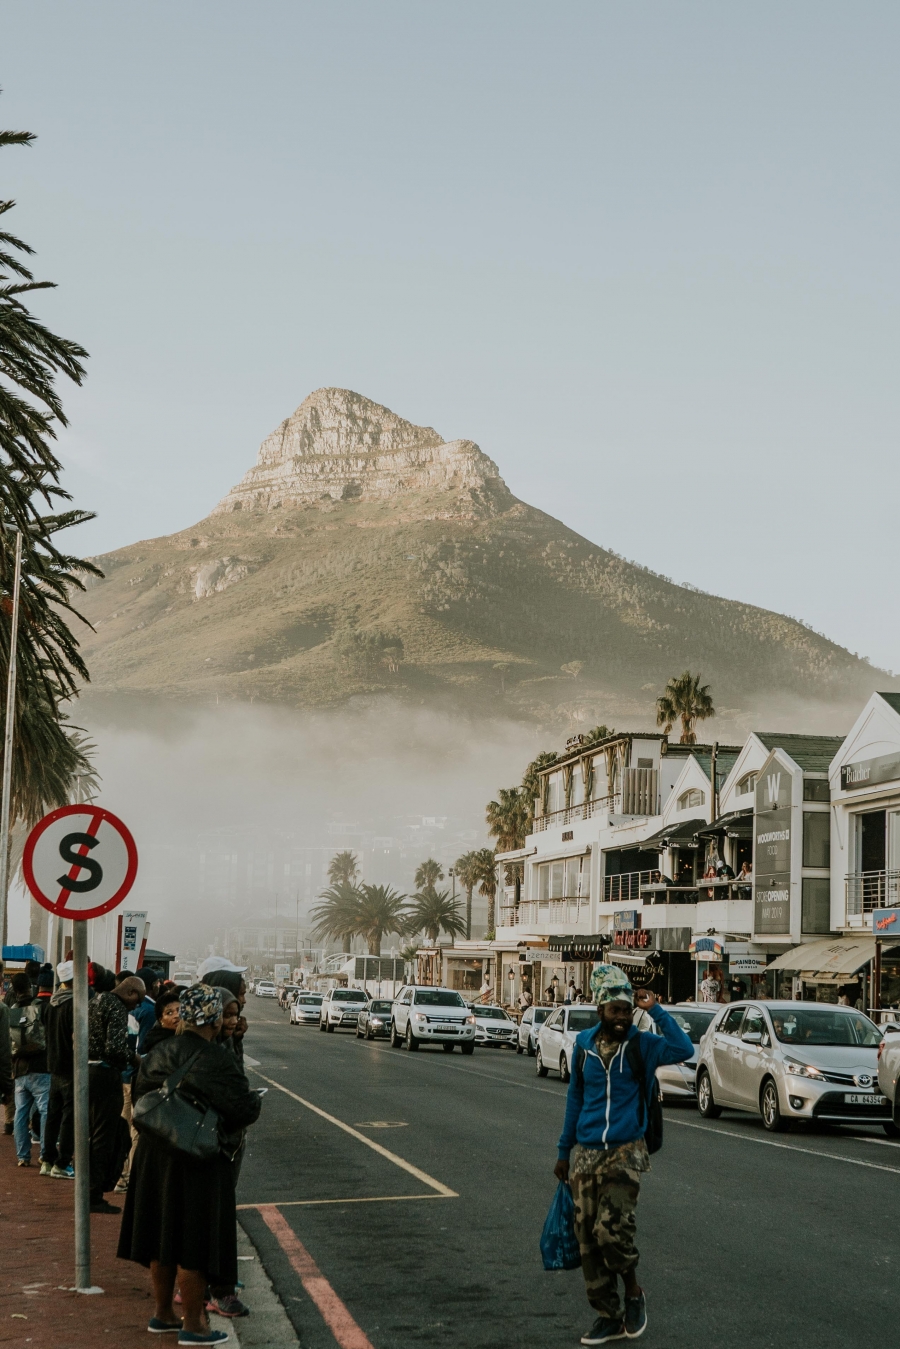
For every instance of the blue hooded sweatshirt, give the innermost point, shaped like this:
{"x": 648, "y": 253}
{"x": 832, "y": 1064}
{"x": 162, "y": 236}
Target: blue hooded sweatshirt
{"x": 603, "y": 1105}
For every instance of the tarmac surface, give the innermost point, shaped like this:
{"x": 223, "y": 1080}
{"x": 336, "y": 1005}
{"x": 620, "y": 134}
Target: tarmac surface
{"x": 397, "y": 1199}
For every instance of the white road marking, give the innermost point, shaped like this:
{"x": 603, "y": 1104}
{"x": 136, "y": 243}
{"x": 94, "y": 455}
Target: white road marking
{"x": 376, "y": 1199}
{"x": 787, "y": 1147}
{"x": 369, "y": 1142}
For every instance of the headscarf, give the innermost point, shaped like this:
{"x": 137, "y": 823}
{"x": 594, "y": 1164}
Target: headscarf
{"x": 200, "y": 1005}
{"x": 609, "y": 983}
{"x": 227, "y": 997}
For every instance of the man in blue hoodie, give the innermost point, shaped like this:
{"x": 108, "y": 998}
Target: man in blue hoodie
{"x": 603, "y": 1150}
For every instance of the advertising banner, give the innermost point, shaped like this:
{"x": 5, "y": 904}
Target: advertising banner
{"x": 131, "y": 939}
{"x": 772, "y": 851}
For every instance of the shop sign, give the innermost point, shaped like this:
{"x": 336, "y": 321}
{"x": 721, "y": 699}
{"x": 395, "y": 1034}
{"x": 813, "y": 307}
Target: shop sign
{"x": 531, "y": 954}
{"x": 772, "y": 852}
{"x": 746, "y": 965}
{"x": 867, "y": 772}
{"x": 642, "y": 976}
{"x": 625, "y": 920}
{"x": 886, "y": 923}
{"x": 707, "y": 946}
{"x": 637, "y": 939}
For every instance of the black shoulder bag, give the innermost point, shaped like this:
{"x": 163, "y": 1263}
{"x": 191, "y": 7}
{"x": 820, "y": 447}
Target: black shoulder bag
{"x": 653, "y": 1131}
{"x": 176, "y": 1120}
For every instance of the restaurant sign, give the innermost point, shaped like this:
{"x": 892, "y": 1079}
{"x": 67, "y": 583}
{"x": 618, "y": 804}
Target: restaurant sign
{"x": 886, "y": 924}
{"x": 637, "y": 939}
{"x": 868, "y": 772}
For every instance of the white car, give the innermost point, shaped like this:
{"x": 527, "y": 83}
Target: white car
{"x": 306, "y": 1009}
{"x": 341, "y": 1007}
{"x": 556, "y": 1038}
{"x": 888, "y": 1072}
{"x": 265, "y": 988}
{"x": 679, "y": 1079}
{"x": 532, "y": 1020}
{"x": 432, "y": 1016}
{"x": 493, "y": 1026}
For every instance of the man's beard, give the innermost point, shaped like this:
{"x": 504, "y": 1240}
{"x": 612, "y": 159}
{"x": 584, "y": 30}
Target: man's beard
{"x": 614, "y": 1030}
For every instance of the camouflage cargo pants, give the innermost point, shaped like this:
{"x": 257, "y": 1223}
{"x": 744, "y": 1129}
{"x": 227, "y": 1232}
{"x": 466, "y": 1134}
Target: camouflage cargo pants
{"x": 605, "y": 1225}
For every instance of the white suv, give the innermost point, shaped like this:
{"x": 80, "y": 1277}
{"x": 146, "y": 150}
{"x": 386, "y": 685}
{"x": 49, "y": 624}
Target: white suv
{"x": 341, "y": 1007}
{"x": 432, "y": 1015}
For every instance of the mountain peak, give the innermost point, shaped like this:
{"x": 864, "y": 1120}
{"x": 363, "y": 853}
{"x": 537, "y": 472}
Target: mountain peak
{"x": 342, "y": 446}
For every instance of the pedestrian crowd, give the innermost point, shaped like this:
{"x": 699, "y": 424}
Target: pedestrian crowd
{"x": 158, "y": 1053}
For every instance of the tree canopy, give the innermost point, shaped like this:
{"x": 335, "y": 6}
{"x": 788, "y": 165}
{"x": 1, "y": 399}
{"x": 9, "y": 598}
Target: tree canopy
{"x": 686, "y": 700}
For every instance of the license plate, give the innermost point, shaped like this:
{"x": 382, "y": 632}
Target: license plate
{"x": 444, "y": 1028}
{"x": 867, "y": 1098}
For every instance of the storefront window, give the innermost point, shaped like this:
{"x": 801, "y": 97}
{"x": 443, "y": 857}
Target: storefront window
{"x": 816, "y": 840}
{"x": 815, "y": 913}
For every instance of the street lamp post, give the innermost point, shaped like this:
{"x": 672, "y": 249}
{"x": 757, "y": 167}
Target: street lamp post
{"x": 5, "y": 800}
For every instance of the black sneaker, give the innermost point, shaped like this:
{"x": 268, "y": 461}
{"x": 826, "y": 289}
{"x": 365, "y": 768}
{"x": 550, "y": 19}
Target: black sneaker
{"x": 101, "y": 1206}
{"x": 635, "y": 1315}
{"x": 603, "y": 1330}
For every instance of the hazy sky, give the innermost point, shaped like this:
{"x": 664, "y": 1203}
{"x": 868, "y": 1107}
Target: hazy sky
{"x": 644, "y": 254}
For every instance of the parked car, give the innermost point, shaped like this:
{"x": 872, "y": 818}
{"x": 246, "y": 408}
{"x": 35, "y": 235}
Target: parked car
{"x": 374, "y": 1019}
{"x": 432, "y": 1016}
{"x": 888, "y": 1072}
{"x": 532, "y": 1020}
{"x": 306, "y": 1009}
{"x": 265, "y": 988}
{"x": 493, "y": 1026}
{"x": 341, "y": 1008}
{"x": 792, "y": 1061}
{"x": 556, "y": 1038}
{"x": 679, "y": 1079}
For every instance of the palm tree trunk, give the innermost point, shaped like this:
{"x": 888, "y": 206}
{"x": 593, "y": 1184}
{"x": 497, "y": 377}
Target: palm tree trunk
{"x": 492, "y": 913}
{"x": 469, "y": 889}
{"x": 375, "y": 944}
{"x": 347, "y": 943}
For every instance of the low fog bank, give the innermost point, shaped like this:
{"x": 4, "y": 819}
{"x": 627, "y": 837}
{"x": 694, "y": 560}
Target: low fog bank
{"x": 236, "y": 809}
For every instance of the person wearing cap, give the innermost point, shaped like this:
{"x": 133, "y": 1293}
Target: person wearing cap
{"x": 215, "y": 965}
{"x": 59, "y": 1131}
{"x": 180, "y": 1216}
{"x": 603, "y": 1150}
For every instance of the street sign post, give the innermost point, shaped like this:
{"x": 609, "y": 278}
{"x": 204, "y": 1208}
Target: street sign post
{"x": 80, "y": 862}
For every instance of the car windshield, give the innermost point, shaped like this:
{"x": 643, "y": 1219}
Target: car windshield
{"x": 582, "y": 1018}
{"x": 438, "y": 997}
{"x": 821, "y": 1026}
{"x": 309, "y": 1000}
{"x": 492, "y": 1013}
{"x": 348, "y": 995}
{"x": 692, "y": 1023}
{"x": 382, "y": 1007}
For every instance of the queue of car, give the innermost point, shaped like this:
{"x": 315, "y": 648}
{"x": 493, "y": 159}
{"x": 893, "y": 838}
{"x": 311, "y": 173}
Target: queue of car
{"x": 784, "y": 1061}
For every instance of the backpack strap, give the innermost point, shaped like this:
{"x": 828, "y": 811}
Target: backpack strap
{"x": 173, "y": 1081}
{"x": 578, "y": 1059}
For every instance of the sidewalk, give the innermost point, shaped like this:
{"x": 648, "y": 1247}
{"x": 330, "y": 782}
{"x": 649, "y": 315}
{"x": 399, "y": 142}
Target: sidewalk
{"x": 37, "y": 1303}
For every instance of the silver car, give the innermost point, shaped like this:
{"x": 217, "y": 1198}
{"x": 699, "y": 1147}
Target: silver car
{"x": 679, "y": 1079}
{"x": 556, "y": 1038}
{"x": 306, "y": 1009}
{"x": 791, "y": 1061}
{"x": 493, "y": 1026}
{"x": 532, "y": 1020}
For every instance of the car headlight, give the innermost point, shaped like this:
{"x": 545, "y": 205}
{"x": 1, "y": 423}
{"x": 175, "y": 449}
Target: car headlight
{"x": 801, "y": 1069}
{"x": 421, "y": 1016}
{"x": 375, "y": 1021}
{"x": 470, "y": 1021}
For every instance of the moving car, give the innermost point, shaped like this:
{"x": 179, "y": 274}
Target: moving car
{"x": 432, "y": 1016}
{"x": 341, "y": 1008}
{"x": 556, "y": 1038}
{"x": 888, "y": 1072}
{"x": 374, "y": 1019}
{"x": 265, "y": 988}
{"x": 493, "y": 1026}
{"x": 792, "y": 1061}
{"x": 306, "y": 1009}
{"x": 532, "y": 1020}
{"x": 679, "y": 1079}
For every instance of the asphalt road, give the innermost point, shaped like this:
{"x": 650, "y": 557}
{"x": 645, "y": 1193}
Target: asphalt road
{"x": 746, "y": 1239}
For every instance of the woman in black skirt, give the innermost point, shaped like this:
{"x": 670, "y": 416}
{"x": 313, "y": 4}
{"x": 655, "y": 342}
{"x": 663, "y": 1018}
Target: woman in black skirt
{"x": 179, "y": 1218}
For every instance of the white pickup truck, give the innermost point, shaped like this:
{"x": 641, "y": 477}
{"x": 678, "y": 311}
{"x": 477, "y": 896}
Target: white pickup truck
{"x": 422, "y": 1016}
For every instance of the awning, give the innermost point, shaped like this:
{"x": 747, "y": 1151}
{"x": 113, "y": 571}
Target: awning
{"x": 626, "y": 958}
{"x": 828, "y": 959}
{"x": 579, "y": 948}
{"x": 736, "y": 824}
{"x": 675, "y": 834}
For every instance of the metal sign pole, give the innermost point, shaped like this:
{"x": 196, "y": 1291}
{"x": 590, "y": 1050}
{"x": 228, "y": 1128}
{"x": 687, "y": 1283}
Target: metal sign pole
{"x": 8, "y": 739}
{"x": 82, "y": 1122}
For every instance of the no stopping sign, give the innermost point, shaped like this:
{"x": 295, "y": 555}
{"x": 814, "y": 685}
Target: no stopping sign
{"x": 79, "y": 861}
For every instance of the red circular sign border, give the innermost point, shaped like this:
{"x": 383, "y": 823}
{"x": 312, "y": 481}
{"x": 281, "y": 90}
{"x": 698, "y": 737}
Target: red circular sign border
{"x": 34, "y": 838}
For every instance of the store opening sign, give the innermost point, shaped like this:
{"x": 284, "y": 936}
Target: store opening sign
{"x": 886, "y": 923}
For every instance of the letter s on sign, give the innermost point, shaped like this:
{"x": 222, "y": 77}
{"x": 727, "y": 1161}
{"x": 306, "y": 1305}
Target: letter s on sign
{"x": 77, "y": 859}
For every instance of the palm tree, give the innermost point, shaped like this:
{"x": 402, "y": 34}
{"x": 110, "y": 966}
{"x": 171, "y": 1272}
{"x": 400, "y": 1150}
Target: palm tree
{"x": 486, "y": 864}
{"x": 433, "y": 910}
{"x": 508, "y": 818}
{"x": 380, "y": 909}
{"x": 466, "y": 869}
{"x": 343, "y": 868}
{"x": 684, "y": 699}
{"x": 532, "y": 784}
{"x": 428, "y": 873}
{"x": 337, "y": 917}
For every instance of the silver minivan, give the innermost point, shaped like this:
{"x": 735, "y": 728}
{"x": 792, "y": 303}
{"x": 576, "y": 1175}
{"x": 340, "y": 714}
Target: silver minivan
{"x": 791, "y": 1061}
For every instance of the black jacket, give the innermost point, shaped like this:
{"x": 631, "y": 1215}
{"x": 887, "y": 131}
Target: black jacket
{"x": 215, "y": 1080}
{"x": 157, "y": 1035}
{"x": 59, "y": 1016}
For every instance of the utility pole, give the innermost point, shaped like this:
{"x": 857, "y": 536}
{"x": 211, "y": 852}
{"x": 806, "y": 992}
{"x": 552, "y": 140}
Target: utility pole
{"x": 6, "y": 801}
{"x": 714, "y": 795}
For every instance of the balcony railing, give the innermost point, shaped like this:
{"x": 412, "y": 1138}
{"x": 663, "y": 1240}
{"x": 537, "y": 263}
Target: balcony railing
{"x": 568, "y": 909}
{"x": 556, "y": 818}
{"x": 868, "y": 890}
{"x": 625, "y": 887}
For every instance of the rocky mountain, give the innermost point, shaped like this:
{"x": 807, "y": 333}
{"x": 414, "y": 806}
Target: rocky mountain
{"x": 363, "y": 556}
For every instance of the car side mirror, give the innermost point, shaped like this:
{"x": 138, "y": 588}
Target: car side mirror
{"x": 752, "y": 1037}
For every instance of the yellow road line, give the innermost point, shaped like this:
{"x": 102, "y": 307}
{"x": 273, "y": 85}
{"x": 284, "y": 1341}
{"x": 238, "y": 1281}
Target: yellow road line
{"x": 404, "y": 1165}
{"x": 376, "y": 1199}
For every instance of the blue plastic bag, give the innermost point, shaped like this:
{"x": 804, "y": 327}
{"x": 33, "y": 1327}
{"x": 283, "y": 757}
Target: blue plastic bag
{"x": 559, "y": 1245}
